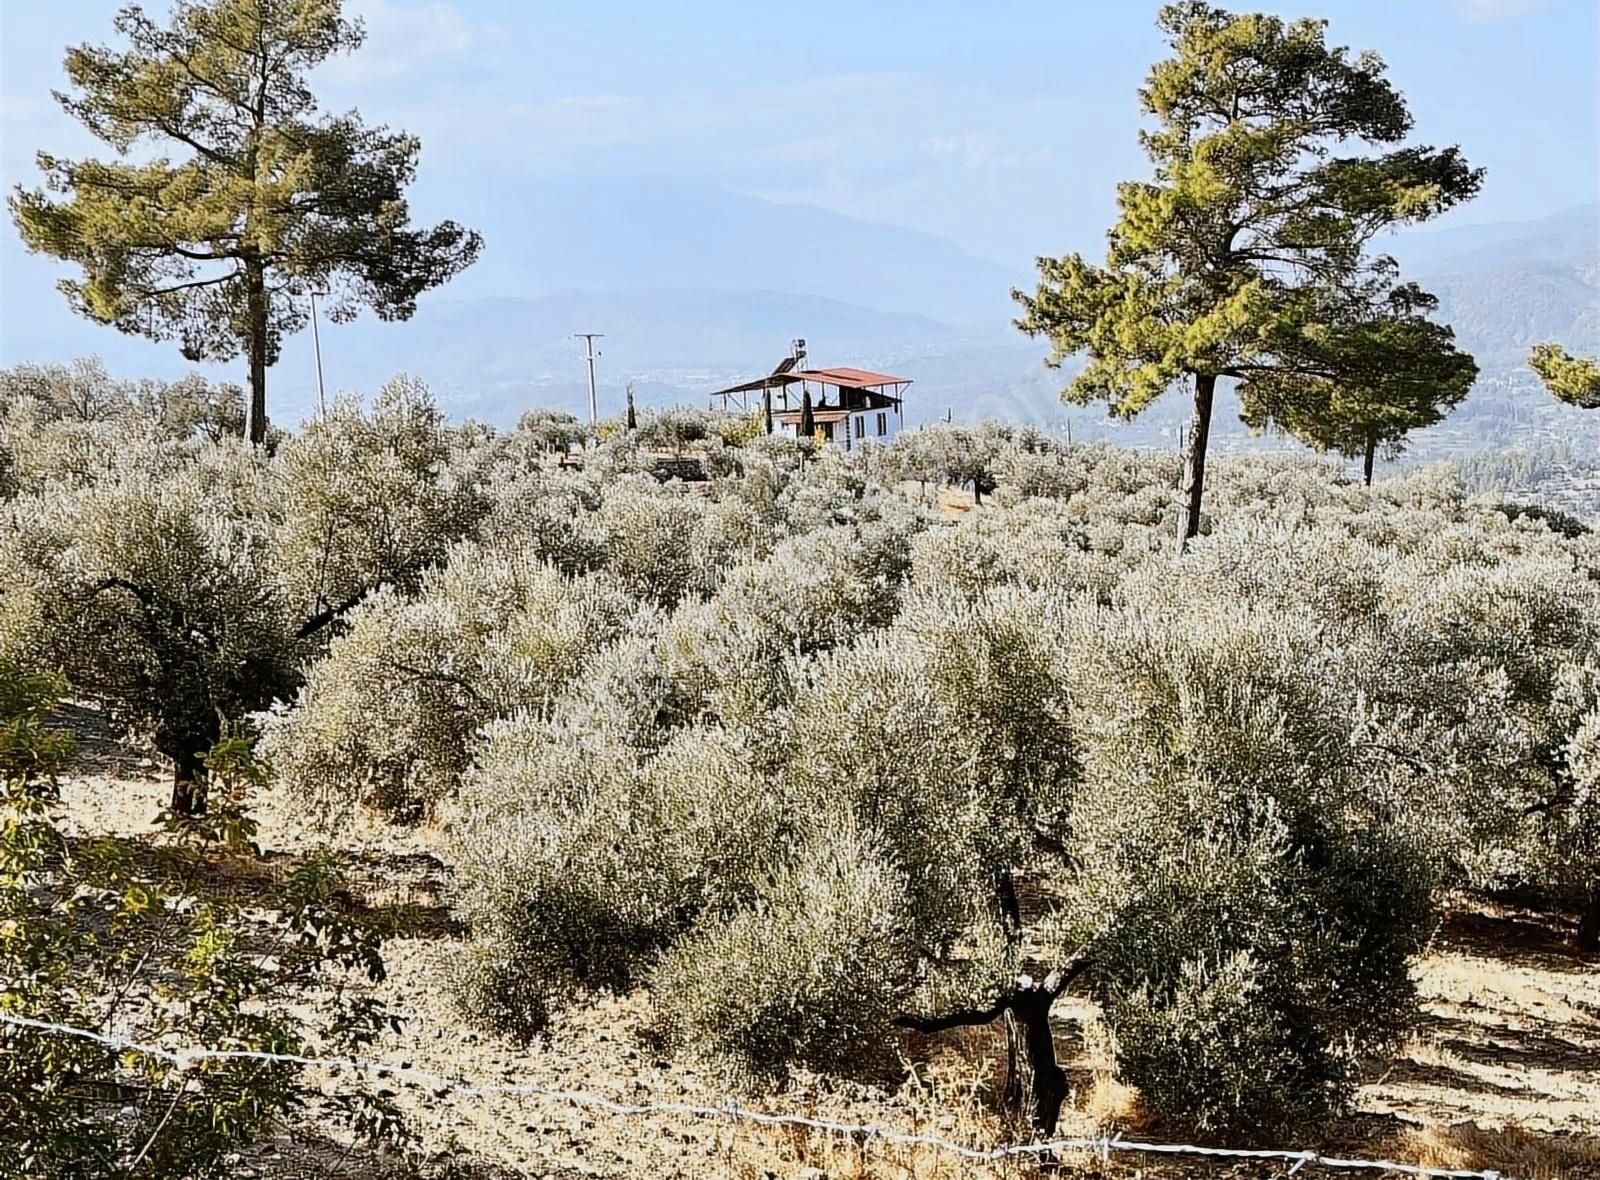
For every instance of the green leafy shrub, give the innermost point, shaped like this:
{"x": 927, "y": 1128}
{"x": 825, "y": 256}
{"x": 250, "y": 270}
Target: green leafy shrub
{"x": 93, "y": 936}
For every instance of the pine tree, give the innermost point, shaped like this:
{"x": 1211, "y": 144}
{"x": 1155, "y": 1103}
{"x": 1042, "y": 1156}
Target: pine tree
{"x": 1390, "y": 370}
{"x": 268, "y": 201}
{"x": 1573, "y": 379}
{"x": 1244, "y": 258}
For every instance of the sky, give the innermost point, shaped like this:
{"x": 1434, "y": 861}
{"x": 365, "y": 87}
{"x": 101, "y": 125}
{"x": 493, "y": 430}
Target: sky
{"x": 1002, "y": 125}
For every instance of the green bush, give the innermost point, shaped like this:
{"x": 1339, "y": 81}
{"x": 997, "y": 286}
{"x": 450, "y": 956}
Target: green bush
{"x": 97, "y": 936}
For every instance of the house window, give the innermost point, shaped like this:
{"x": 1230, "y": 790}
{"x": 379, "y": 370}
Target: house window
{"x": 883, "y": 424}
{"x": 861, "y": 426}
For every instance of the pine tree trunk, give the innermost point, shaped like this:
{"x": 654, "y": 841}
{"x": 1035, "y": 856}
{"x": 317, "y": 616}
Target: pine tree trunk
{"x": 188, "y": 784}
{"x": 1372, "y": 449}
{"x": 255, "y": 283}
{"x": 1194, "y": 459}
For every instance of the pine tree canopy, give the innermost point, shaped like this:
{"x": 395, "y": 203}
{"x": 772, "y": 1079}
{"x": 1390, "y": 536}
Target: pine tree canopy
{"x": 1245, "y": 256}
{"x": 1362, "y": 369}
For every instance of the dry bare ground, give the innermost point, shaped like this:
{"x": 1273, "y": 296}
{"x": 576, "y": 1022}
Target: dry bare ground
{"x": 1503, "y": 1071}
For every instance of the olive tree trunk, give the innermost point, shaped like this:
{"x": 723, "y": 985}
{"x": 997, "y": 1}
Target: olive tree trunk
{"x": 1035, "y": 1082}
{"x": 1372, "y": 450}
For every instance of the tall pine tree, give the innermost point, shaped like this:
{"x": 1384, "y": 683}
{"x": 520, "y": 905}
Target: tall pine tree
{"x": 267, "y": 201}
{"x": 1244, "y": 257}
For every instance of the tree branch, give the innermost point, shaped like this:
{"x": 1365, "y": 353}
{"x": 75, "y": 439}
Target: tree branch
{"x": 414, "y": 675}
{"x": 1051, "y": 987}
{"x": 323, "y": 617}
{"x": 966, "y": 1018}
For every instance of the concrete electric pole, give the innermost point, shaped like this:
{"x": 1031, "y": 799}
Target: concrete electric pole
{"x": 316, "y": 348}
{"x": 588, "y": 339}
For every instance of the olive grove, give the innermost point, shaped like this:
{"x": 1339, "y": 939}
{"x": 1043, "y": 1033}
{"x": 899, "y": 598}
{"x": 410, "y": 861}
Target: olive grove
{"x": 822, "y": 764}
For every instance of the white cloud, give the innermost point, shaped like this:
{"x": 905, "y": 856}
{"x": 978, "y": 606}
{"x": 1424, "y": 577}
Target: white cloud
{"x": 1483, "y": 12}
{"x": 984, "y": 153}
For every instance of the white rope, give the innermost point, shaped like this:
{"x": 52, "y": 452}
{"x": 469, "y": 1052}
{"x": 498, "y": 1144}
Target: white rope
{"x": 732, "y": 1111}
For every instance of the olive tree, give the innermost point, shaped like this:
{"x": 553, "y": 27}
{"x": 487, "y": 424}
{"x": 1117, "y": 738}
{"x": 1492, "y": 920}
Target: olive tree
{"x": 159, "y": 595}
{"x": 370, "y": 498}
{"x": 388, "y": 716}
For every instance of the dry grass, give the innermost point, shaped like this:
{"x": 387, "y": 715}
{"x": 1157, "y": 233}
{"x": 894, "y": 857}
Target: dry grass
{"x": 1511, "y": 1150}
{"x": 954, "y": 503}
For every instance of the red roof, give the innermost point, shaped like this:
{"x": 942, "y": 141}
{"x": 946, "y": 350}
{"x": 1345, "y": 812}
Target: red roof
{"x": 849, "y": 378}
{"x": 844, "y": 378}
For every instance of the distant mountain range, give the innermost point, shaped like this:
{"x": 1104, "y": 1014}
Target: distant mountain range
{"x": 696, "y": 287}
{"x": 1505, "y": 287}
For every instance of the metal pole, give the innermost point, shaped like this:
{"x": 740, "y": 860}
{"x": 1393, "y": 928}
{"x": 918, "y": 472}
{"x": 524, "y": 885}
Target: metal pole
{"x": 588, "y": 339}
{"x": 316, "y": 348}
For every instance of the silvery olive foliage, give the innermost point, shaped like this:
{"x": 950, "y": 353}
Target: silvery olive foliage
{"x": 1241, "y": 777}
{"x": 1250, "y": 916}
{"x": 372, "y": 497}
{"x": 777, "y": 735}
{"x": 387, "y": 716}
{"x": 185, "y": 581}
{"x": 157, "y": 594}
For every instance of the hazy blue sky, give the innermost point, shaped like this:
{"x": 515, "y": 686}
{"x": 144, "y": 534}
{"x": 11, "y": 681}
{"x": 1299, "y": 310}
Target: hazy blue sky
{"x": 1001, "y": 124}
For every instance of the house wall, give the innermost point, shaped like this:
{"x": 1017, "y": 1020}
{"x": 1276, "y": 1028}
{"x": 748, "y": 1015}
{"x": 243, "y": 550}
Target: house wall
{"x": 863, "y": 427}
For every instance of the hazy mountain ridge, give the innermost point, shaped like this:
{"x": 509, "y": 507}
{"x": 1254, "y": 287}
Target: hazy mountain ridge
{"x": 545, "y": 236}
{"x": 695, "y": 287}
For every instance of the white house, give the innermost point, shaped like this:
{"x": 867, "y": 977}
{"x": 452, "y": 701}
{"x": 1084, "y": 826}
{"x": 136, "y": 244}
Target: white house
{"x": 847, "y": 406}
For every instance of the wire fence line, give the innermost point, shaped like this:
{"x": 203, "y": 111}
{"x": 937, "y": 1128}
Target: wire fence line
{"x": 732, "y": 1111}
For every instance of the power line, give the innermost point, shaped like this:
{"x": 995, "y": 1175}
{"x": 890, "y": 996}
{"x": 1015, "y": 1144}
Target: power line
{"x": 732, "y": 1111}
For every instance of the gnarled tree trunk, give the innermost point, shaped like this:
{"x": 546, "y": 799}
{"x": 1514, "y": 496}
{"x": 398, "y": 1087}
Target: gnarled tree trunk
{"x": 1035, "y": 1082}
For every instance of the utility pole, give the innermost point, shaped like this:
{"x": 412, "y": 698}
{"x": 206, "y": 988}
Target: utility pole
{"x": 588, "y": 339}
{"x": 316, "y": 348}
